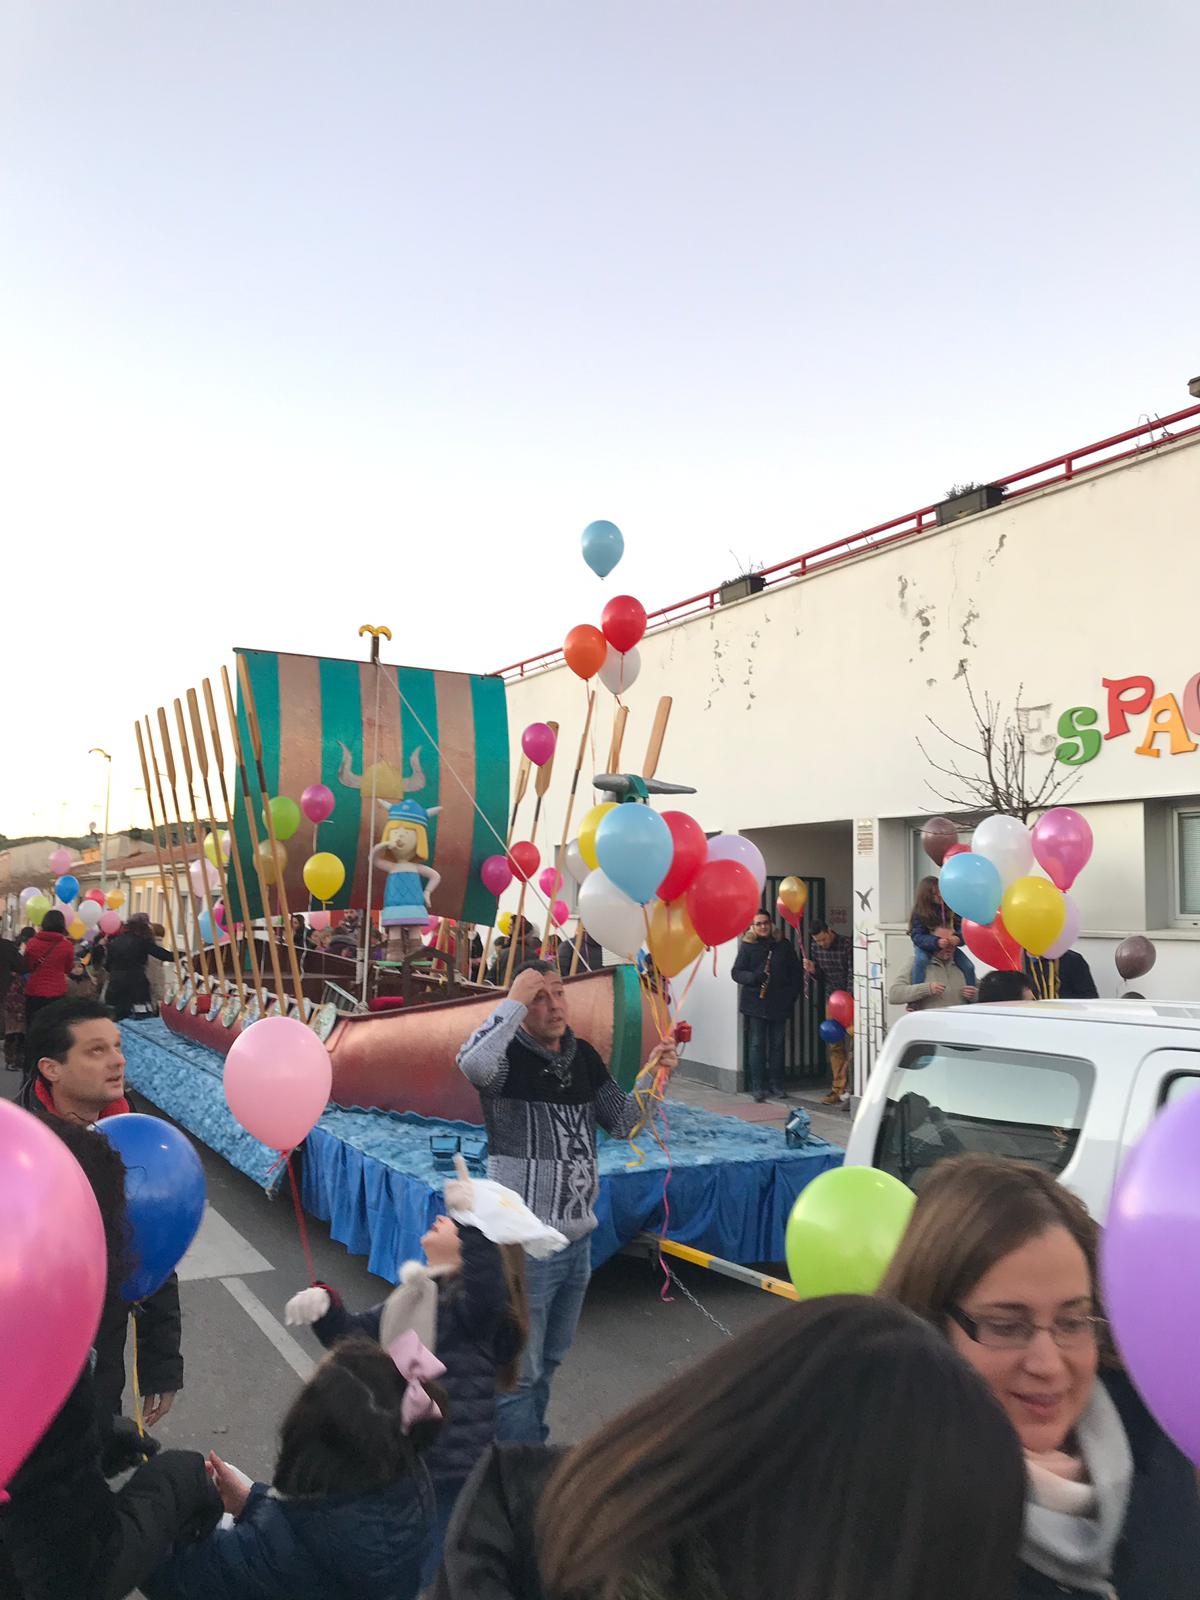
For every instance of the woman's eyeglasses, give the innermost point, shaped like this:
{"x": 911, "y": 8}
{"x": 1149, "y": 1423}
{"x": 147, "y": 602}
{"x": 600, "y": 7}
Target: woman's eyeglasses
{"x": 1072, "y": 1331}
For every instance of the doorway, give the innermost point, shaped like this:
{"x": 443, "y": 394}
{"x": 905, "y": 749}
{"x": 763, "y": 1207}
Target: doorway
{"x": 804, "y": 1060}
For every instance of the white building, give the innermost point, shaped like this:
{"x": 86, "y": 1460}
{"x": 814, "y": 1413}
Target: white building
{"x": 796, "y": 711}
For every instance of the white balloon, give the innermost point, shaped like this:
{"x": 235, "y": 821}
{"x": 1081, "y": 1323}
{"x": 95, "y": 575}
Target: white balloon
{"x": 732, "y": 847}
{"x": 614, "y": 920}
{"x": 575, "y": 864}
{"x": 90, "y": 913}
{"x": 619, "y": 672}
{"x": 1006, "y": 843}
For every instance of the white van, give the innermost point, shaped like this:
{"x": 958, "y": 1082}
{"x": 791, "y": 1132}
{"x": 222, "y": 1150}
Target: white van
{"x": 1069, "y": 1084}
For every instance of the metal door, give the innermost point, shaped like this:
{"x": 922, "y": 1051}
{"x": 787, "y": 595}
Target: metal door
{"x": 803, "y": 1052}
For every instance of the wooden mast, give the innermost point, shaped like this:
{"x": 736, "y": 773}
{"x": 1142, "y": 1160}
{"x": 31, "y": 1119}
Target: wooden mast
{"x": 201, "y": 864}
{"x": 252, "y": 825}
{"x": 169, "y": 759}
{"x": 214, "y": 729}
{"x": 540, "y": 784}
{"x": 560, "y": 865}
{"x": 193, "y": 701}
{"x": 162, "y": 866}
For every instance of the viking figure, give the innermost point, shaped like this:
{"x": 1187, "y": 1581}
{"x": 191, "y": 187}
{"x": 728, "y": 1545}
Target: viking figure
{"x": 402, "y": 854}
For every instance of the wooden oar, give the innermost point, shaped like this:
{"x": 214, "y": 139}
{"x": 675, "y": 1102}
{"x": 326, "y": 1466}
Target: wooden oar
{"x": 519, "y": 787}
{"x": 169, "y": 760}
{"x": 540, "y": 784}
{"x": 560, "y": 865}
{"x": 206, "y": 892}
{"x": 620, "y": 718}
{"x": 252, "y": 825}
{"x": 657, "y": 734}
{"x": 193, "y": 700}
{"x": 214, "y": 729}
{"x": 162, "y": 866}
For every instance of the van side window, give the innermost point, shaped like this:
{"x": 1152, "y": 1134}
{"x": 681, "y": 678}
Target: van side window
{"x": 947, "y": 1099}
{"x": 1177, "y": 1086}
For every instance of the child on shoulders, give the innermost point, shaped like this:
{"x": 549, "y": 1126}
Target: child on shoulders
{"x": 936, "y": 931}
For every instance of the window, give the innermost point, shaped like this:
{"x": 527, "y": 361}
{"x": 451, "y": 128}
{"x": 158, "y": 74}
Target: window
{"x": 1179, "y": 1086}
{"x": 946, "y": 1099}
{"x": 1186, "y": 908}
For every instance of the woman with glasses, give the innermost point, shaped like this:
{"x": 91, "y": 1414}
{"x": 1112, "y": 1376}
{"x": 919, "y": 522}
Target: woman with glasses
{"x": 1002, "y": 1259}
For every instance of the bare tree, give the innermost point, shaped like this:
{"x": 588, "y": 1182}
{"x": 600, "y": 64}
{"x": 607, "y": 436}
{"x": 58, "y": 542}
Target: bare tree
{"x": 997, "y": 771}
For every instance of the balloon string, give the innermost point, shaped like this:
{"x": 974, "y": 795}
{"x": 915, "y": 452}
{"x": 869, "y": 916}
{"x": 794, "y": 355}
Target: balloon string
{"x": 308, "y": 1256}
{"x": 138, "y": 1410}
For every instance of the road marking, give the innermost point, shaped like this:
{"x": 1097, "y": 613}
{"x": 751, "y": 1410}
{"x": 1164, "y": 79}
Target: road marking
{"x": 294, "y": 1354}
{"x": 220, "y": 1251}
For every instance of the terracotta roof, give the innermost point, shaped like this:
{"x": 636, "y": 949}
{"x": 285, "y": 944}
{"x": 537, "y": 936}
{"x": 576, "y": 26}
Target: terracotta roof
{"x": 138, "y": 861}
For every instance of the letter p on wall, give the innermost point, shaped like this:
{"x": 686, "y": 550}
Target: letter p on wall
{"x": 1127, "y": 697}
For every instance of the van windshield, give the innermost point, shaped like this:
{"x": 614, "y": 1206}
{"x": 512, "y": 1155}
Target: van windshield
{"x": 947, "y": 1099}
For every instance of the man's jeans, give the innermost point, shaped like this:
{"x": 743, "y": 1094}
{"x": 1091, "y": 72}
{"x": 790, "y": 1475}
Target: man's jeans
{"x": 557, "y": 1287}
{"x": 764, "y": 1054}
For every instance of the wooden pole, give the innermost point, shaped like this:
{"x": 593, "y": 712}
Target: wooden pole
{"x": 560, "y": 864}
{"x": 540, "y": 784}
{"x": 519, "y": 788}
{"x": 256, "y": 744}
{"x": 162, "y": 866}
{"x": 193, "y": 700}
{"x": 219, "y": 757}
{"x": 657, "y": 734}
{"x": 169, "y": 759}
{"x": 185, "y": 752}
{"x": 252, "y": 825}
{"x": 620, "y": 718}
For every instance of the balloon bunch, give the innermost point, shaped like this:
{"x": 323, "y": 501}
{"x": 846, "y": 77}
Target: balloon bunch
{"x": 611, "y": 649}
{"x": 1006, "y": 908}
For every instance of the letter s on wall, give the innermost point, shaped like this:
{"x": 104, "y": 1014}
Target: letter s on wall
{"x": 1078, "y": 725}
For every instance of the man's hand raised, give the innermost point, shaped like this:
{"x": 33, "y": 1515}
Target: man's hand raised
{"x": 526, "y": 986}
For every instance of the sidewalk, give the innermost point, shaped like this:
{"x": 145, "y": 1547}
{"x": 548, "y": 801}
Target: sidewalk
{"x": 828, "y": 1122}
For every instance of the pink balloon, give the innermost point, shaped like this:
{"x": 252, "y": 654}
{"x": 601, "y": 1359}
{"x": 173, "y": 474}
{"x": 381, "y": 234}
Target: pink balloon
{"x": 561, "y": 912}
{"x": 277, "y": 1081}
{"x": 60, "y": 860}
{"x": 219, "y": 913}
{"x": 538, "y": 742}
{"x": 318, "y": 921}
{"x": 317, "y": 802}
{"x": 496, "y": 874}
{"x": 53, "y": 1267}
{"x": 1062, "y": 845}
{"x": 110, "y": 923}
{"x": 200, "y": 872}
{"x": 549, "y": 882}
{"x": 1070, "y": 933}
{"x": 732, "y": 847}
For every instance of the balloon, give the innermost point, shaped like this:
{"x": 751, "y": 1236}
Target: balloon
{"x": 496, "y": 875}
{"x": 204, "y": 922}
{"x": 317, "y": 803}
{"x": 1150, "y": 1269}
{"x": 793, "y": 892}
{"x": 1005, "y": 842}
{"x": 202, "y": 874}
{"x": 89, "y": 913}
{"x": 1066, "y": 939}
{"x": 277, "y": 1081}
{"x": 614, "y": 920}
{"x": 1035, "y": 913}
{"x": 1134, "y": 956}
{"x": 318, "y": 921}
{"x": 324, "y": 875}
{"x": 1062, "y": 843}
{"x": 794, "y": 918}
{"x": 603, "y": 547}
{"x": 690, "y": 854}
{"x": 60, "y": 860}
{"x": 938, "y": 834}
{"x": 36, "y": 909}
{"x": 957, "y": 850}
{"x": 840, "y": 1007}
{"x": 577, "y": 867}
{"x": 219, "y": 913}
{"x": 114, "y": 899}
{"x": 67, "y": 888}
{"x": 560, "y": 911}
{"x": 549, "y": 882}
{"x": 65, "y": 909}
{"x": 992, "y": 944}
{"x": 844, "y": 1230}
{"x": 722, "y": 899}
{"x": 110, "y": 923}
{"x": 524, "y": 858}
{"x": 77, "y": 930}
{"x": 28, "y": 894}
{"x": 97, "y": 895}
{"x": 285, "y": 814}
{"x": 54, "y": 1267}
{"x": 832, "y": 1031}
{"x": 673, "y": 942}
{"x": 272, "y": 858}
{"x": 504, "y": 922}
{"x": 732, "y": 847}
{"x": 538, "y": 742}
{"x": 623, "y": 622}
{"x": 164, "y": 1196}
{"x": 587, "y": 831}
{"x": 620, "y": 670}
{"x": 970, "y": 885}
{"x": 584, "y": 650}
{"x": 634, "y": 848}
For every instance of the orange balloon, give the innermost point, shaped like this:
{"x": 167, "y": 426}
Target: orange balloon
{"x": 586, "y": 650}
{"x": 673, "y": 942}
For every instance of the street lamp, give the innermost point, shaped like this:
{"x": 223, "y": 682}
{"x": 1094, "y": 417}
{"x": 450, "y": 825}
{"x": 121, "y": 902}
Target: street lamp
{"x": 96, "y": 751}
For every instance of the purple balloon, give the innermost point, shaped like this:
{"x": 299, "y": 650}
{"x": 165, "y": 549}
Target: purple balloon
{"x": 538, "y": 742}
{"x": 1062, "y": 845}
{"x": 732, "y": 847}
{"x": 1066, "y": 939}
{"x": 496, "y": 874}
{"x": 28, "y": 894}
{"x": 1150, "y": 1270}
{"x": 317, "y": 802}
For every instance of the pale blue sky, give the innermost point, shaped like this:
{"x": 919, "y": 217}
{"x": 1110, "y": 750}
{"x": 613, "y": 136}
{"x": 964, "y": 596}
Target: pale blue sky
{"x": 318, "y": 314}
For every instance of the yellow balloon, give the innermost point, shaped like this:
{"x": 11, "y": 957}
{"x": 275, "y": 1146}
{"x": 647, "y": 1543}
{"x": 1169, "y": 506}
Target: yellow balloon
{"x": 1035, "y": 913}
{"x": 114, "y": 899}
{"x": 504, "y": 923}
{"x": 210, "y": 848}
{"x": 324, "y": 874}
{"x": 673, "y": 942}
{"x": 77, "y": 930}
{"x": 587, "y": 831}
{"x": 273, "y": 863}
{"x": 794, "y": 894}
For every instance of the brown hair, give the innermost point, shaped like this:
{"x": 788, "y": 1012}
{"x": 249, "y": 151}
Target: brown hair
{"x": 512, "y": 1264}
{"x": 929, "y": 907}
{"x": 819, "y": 1401}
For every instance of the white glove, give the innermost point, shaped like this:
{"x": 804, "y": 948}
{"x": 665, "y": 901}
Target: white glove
{"x": 459, "y": 1192}
{"x": 307, "y": 1307}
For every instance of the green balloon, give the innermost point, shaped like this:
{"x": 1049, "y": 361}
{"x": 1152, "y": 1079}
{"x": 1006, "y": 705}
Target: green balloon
{"x": 285, "y": 814}
{"x": 36, "y": 908}
{"x": 844, "y": 1230}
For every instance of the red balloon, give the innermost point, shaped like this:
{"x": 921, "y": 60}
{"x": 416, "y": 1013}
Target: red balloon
{"x": 585, "y": 650}
{"x": 956, "y": 850}
{"x": 95, "y": 894}
{"x": 623, "y": 621}
{"x": 691, "y": 852}
{"x": 840, "y": 1008}
{"x": 993, "y": 944}
{"x": 721, "y": 901}
{"x": 525, "y": 859}
{"x": 788, "y": 915}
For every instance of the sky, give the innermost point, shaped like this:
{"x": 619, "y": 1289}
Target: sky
{"x": 317, "y": 314}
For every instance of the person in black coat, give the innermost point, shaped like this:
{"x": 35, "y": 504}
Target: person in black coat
{"x": 77, "y": 1075}
{"x": 128, "y": 953}
{"x": 768, "y": 972}
{"x": 490, "y": 1550}
{"x": 1067, "y": 978}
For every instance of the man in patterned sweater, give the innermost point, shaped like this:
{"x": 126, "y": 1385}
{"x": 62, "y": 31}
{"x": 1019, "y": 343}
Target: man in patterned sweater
{"x": 543, "y": 1092}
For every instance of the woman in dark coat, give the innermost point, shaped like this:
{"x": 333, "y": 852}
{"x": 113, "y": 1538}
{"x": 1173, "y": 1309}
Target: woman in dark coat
{"x": 128, "y": 991}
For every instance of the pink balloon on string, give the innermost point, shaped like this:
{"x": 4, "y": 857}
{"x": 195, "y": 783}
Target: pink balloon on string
{"x": 496, "y": 874}
{"x": 560, "y": 912}
{"x": 60, "y": 860}
{"x": 1066, "y": 939}
{"x": 549, "y": 882}
{"x": 219, "y": 913}
{"x": 277, "y": 1081}
{"x": 538, "y": 742}
{"x": 317, "y": 803}
{"x": 110, "y": 923}
{"x": 1062, "y": 845}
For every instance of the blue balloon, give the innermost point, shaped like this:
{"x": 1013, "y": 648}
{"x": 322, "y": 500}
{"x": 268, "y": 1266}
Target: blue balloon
{"x": 206, "y": 927}
{"x": 67, "y": 888}
{"x": 971, "y": 886}
{"x": 164, "y": 1196}
{"x": 635, "y": 848}
{"x": 603, "y": 547}
{"x": 832, "y": 1032}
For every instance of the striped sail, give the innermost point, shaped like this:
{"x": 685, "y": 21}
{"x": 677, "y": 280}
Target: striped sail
{"x": 352, "y": 725}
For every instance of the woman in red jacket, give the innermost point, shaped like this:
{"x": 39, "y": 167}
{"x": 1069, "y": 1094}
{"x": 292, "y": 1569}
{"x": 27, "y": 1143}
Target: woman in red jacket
{"x": 49, "y": 957}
